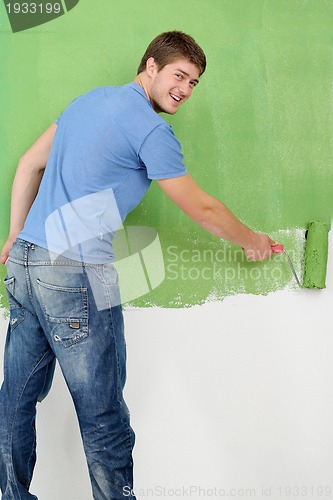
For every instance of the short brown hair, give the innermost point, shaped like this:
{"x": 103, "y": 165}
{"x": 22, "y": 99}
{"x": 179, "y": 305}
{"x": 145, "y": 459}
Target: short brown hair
{"x": 172, "y": 45}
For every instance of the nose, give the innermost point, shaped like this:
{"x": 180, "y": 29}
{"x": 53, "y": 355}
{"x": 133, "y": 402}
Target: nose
{"x": 185, "y": 89}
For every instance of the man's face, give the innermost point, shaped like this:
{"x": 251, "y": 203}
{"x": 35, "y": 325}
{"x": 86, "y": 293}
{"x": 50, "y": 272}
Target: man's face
{"x": 171, "y": 86}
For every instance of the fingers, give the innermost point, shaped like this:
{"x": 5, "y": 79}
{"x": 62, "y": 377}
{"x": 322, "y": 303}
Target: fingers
{"x": 3, "y": 259}
{"x": 262, "y": 248}
{"x": 5, "y": 252}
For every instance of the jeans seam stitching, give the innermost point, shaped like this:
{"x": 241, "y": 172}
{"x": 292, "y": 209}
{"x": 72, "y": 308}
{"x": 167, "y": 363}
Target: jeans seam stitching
{"x": 13, "y": 420}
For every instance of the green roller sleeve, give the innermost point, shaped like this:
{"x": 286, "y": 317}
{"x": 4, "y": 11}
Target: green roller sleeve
{"x": 316, "y": 252}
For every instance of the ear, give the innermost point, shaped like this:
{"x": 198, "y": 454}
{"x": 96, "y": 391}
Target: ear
{"x": 151, "y": 67}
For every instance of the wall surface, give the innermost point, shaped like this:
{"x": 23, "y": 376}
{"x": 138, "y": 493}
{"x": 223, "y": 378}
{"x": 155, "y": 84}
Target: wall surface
{"x": 231, "y": 399}
{"x": 230, "y": 364}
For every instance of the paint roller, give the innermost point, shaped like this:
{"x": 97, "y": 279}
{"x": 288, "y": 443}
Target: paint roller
{"x": 315, "y": 258}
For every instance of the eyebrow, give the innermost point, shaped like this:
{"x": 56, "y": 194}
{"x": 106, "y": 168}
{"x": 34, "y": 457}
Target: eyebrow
{"x": 187, "y": 74}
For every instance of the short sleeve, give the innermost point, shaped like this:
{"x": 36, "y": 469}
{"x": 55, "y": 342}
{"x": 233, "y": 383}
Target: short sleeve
{"x": 58, "y": 119}
{"x": 161, "y": 154}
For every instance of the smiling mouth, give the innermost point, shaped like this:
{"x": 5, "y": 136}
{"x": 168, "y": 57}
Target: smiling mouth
{"x": 176, "y": 97}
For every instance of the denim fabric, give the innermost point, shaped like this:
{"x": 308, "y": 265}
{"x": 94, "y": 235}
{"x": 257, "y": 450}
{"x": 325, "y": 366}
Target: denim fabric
{"x": 56, "y": 313}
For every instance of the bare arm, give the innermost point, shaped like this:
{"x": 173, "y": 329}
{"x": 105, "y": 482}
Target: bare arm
{"x": 215, "y": 217}
{"x": 26, "y": 183}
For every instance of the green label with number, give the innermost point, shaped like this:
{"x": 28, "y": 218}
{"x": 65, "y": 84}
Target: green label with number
{"x": 24, "y": 15}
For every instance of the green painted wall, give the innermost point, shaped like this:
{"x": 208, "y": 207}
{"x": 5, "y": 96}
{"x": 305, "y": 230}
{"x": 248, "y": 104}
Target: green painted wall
{"x": 257, "y": 132}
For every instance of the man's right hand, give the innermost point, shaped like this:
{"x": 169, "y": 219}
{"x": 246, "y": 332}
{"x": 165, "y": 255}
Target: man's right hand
{"x": 5, "y": 251}
{"x": 260, "y": 248}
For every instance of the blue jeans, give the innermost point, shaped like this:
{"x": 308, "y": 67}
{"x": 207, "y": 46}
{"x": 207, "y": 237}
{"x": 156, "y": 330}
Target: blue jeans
{"x": 70, "y": 311}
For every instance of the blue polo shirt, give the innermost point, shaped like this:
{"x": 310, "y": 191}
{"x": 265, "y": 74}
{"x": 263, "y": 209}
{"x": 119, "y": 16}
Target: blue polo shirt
{"x": 108, "y": 147}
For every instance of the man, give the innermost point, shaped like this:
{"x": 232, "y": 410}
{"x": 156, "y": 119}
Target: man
{"x": 101, "y": 155}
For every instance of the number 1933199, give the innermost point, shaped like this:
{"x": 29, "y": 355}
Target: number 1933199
{"x": 33, "y": 8}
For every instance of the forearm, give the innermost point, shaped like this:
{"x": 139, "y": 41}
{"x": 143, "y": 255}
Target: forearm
{"x": 28, "y": 176}
{"x": 24, "y": 191}
{"x": 27, "y": 179}
{"x": 217, "y": 219}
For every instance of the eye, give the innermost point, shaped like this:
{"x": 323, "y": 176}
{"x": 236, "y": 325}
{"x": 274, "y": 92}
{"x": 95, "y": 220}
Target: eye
{"x": 178, "y": 75}
{"x": 193, "y": 84}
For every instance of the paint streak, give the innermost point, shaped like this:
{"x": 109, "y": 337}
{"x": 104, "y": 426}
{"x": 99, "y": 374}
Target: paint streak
{"x": 198, "y": 271}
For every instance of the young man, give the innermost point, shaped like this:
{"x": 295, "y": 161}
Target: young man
{"x": 101, "y": 155}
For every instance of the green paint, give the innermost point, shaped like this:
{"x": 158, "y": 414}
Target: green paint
{"x": 257, "y": 132}
{"x": 316, "y": 255}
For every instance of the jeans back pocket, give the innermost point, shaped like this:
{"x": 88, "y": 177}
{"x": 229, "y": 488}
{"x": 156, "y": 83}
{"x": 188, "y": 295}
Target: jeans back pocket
{"x": 66, "y": 311}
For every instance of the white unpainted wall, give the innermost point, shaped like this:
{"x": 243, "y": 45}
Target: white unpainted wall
{"x": 230, "y": 399}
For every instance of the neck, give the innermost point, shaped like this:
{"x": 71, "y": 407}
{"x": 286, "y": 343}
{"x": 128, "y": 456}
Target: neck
{"x": 142, "y": 81}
